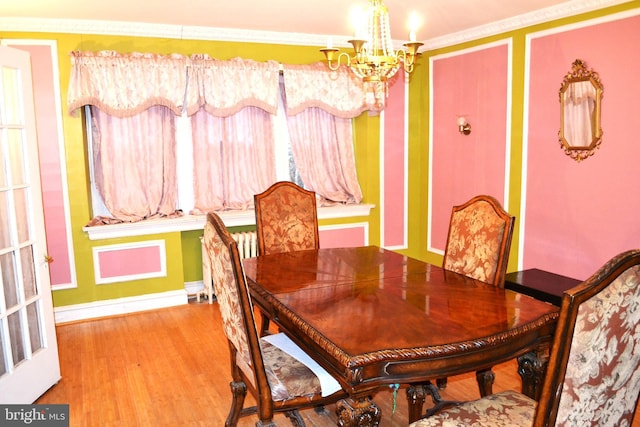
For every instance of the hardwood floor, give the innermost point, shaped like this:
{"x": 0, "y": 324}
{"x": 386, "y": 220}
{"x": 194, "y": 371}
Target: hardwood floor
{"x": 170, "y": 367}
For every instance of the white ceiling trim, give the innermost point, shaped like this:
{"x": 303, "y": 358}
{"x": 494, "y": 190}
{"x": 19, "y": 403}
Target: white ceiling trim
{"x": 120, "y": 28}
{"x": 560, "y": 11}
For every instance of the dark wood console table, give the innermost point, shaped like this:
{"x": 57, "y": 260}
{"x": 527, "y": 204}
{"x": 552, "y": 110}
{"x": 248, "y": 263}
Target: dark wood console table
{"x": 540, "y": 284}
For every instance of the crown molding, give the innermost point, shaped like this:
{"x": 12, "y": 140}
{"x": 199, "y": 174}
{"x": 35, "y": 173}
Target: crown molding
{"x": 137, "y": 29}
{"x": 563, "y": 10}
{"x": 120, "y": 28}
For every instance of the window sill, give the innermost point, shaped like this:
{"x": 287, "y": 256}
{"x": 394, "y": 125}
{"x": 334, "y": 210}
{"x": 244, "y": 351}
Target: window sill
{"x": 196, "y": 222}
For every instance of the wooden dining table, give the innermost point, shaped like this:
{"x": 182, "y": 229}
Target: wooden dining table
{"x": 373, "y": 317}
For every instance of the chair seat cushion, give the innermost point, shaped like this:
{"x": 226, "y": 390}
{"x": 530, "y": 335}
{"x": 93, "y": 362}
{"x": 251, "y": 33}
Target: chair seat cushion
{"x": 504, "y": 409}
{"x": 288, "y": 377}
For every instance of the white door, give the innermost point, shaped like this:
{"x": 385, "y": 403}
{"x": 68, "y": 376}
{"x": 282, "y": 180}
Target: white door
{"x": 28, "y": 349}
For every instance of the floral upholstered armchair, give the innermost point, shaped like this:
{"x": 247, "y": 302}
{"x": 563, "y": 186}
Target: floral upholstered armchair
{"x": 593, "y": 377}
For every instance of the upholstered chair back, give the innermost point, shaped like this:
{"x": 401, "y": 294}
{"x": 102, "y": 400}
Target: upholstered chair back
{"x": 593, "y": 376}
{"x": 479, "y": 240}
{"x": 594, "y": 380}
{"x": 217, "y": 244}
{"x": 278, "y": 380}
{"x": 286, "y": 219}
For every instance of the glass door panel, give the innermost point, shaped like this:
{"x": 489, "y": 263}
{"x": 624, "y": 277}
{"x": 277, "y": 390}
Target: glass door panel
{"x": 28, "y": 350}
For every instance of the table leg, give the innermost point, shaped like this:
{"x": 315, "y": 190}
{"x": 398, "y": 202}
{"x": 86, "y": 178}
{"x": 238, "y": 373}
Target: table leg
{"x": 416, "y": 394}
{"x": 531, "y": 368}
{"x": 358, "y": 412}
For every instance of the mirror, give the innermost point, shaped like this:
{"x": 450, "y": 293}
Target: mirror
{"x": 580, "y": 97}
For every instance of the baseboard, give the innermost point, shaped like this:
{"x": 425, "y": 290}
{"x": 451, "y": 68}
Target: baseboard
{"x": 72, "y": 313}
{"x": 193, "y": 288}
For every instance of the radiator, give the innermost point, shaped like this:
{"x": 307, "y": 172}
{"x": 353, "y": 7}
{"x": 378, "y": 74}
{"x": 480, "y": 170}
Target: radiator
{"x": 247, "y": 246}
{"x": 247, "y": 243}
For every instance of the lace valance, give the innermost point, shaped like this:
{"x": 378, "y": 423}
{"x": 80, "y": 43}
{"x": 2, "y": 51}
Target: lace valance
{"x": 340, "y": 92}
{"x": 123, "y": 85}
{"x": 225, "y": 87}
{"x": 126, "y": 84}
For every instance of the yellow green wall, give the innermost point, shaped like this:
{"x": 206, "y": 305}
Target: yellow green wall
{"x": 183, "y": 250}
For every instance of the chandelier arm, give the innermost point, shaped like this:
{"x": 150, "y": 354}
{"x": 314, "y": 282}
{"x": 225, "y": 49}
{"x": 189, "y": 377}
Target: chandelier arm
{"x": 373, "y": 59}
{"x": 334, "y": 61}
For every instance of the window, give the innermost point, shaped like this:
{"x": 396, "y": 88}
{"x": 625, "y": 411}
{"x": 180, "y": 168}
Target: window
{"x": 284, "y": 162}
{"x": 147, "y": 161}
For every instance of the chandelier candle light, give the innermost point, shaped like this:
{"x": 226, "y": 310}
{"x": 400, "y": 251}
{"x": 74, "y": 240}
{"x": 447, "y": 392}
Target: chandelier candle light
{"x": 373, "y": 58}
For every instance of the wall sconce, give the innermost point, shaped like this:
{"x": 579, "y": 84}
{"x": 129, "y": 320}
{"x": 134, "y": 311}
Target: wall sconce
{"x": 463, "y": 126}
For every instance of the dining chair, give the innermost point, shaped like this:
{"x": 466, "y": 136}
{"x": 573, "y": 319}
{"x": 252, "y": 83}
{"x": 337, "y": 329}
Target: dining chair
{"x": 478, "y": 244}
{"x": 479, "y": 240}
{"x": 277, "y": 378}
{"x": 593, "y": 375}
{"x": 286, "y": 219}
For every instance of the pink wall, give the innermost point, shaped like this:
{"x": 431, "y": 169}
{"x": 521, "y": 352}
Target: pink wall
{"x": 129, "y": 261}
{"x": 578, "y": 215}
{"x": 394, "y": 191}
{"x": 348, "y": 236}
{"x": 472, "y": 84}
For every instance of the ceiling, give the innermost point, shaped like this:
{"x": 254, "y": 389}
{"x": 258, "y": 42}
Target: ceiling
{"x": 319, "y": 17}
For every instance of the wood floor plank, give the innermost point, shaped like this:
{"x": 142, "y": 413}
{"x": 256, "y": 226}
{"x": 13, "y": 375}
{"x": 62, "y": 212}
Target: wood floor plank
{"x": 170, "y": 367}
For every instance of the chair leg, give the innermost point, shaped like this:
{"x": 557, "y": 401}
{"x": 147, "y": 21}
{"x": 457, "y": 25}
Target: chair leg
{"x": 320, "y": 410}
{"x": 239, "y": 392}
{"x": 485, "y": 380}
{"x": 416, "y": 394}
{"x": 442, "y": 383}
{"x": 264, "y": 324}
{"x": 438, "y": 402}
{"x": 295, "y": 418}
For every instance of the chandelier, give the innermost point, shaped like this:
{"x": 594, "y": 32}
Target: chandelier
{"x": 373, "y": 58}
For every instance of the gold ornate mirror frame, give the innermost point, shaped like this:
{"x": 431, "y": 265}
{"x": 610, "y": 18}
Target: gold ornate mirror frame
{"x": 580, "y": 99}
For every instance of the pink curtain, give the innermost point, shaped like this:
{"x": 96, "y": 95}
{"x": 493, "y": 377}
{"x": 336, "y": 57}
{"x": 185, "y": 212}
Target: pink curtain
{"x": 233, "y": 158}
{"x": 320, "y": 104}
{"x": 136, "y": 180}
{"x": 233, "y": 141}
{"x": 231, "y": 102}
{"x": 322, "y": 146}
